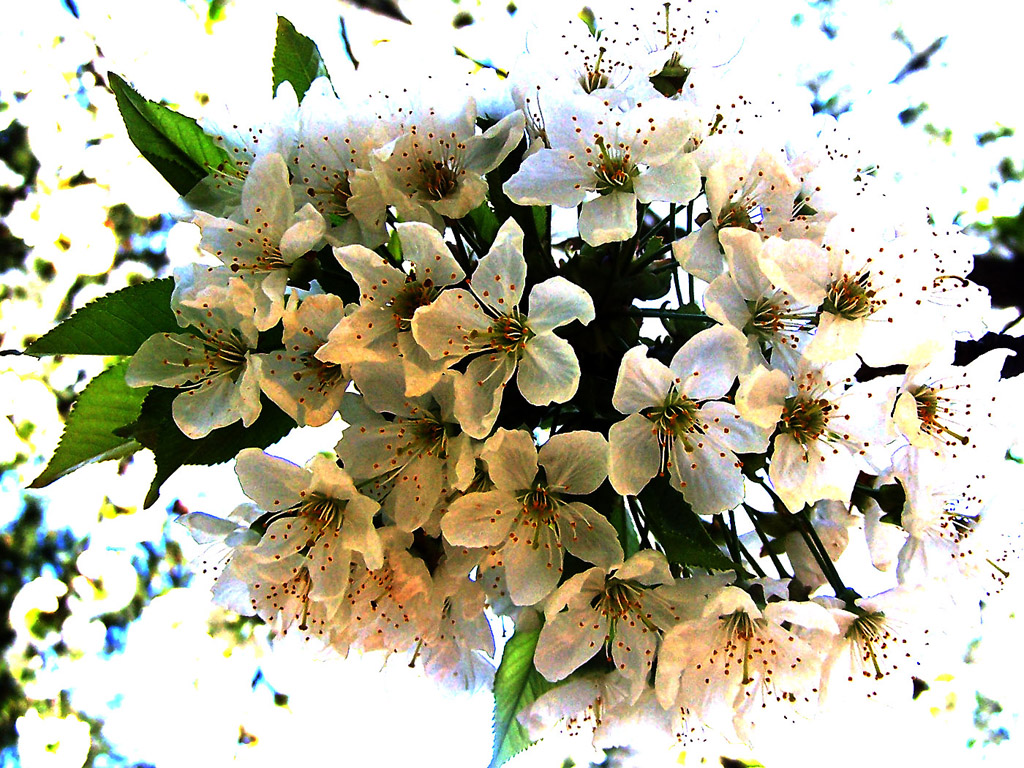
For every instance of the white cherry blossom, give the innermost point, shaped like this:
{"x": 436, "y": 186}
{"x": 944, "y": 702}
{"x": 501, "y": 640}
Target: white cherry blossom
{"x": 607, "y": 160}
{"x": 260, "y": 247}
{"x": 679, "y": 425}
{"x": 486, "y": 323}
{"x": 529, "y": 518}
{"x": 213, "y": 363}
{"x": 303, "y": 386}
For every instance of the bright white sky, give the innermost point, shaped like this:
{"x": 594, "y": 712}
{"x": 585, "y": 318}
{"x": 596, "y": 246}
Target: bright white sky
{"x": 177, "y": 696}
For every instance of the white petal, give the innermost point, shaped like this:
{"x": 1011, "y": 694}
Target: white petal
{"x": 548, "y": 177}
{"x": 511, "y": 458}
{"x": 634, "y": 456}
{"x": 568, "y": 640}
{"x": 500, "y": 277}
{"x": 273, "y": 483}
{"x": 533, "y": 564}
{"x": 588, "y": 535}
{"x": 575, "y": 462}
{"x": 707, "y": 365}
{"x": 478, "y": 392}
{"x": 304, "y": 235}
{"x": 609, "y": 218}
{"x": 549, "y": 371}
{"x": 480, "y": 519}
{"x": 556, "y": 302}
{"x": 708, "y": 476}
{"x": 676, "y": 181}
{"x": 426, "y": 249}
{"x": 443, "y": 327}
{"x": 642, "y": 381}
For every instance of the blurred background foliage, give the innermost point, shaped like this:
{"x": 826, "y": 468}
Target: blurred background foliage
{"x": 81, "y": 215}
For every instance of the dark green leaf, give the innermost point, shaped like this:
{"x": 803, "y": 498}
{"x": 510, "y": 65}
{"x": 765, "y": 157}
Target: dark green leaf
{"x": 623, "y": 522}
{"x": 517, "y": 684}
{"x": 155, "y": 429}
{"x": 485, "y": 223}
{"x": 174, "y": 144}
{"x": 115, "y": 324}
{"x": 105, "y": 404}
{"x": 679, "y": 529}
{"x": 296, "y": 59}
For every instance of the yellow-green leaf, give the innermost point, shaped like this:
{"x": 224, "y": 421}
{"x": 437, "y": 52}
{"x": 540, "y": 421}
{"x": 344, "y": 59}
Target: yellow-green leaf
{"x": 104, "y": 405}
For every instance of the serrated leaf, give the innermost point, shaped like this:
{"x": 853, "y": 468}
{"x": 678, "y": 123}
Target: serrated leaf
{"x": 155, "y": 429}
{"x": 296, "y": 59}
{"x": 115, "y": 324}
{"x": 517, "y": 684}
{"x": 105, "y": 404}
{"x": 173, "y": 144}
{"x": 679, "y": 529}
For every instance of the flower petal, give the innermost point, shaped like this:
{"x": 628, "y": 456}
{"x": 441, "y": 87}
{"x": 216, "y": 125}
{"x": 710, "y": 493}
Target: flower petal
{"x": 549, "y": 371}
{"x": 609, "y": 218}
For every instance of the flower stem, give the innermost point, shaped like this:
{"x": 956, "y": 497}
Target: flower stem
{"x": 669, "y": 313}
{"x": 753, "y": 515}
{"x": 821, "y": 556}
{"x": 739, "y": 545}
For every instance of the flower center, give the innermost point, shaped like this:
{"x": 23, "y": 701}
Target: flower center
{"x": 593, "y": 77}
{"x": 411, "y": 297}
{"x": 335, "y": 201}
{"x": 439, "y": 178}
{"x": 851, "y": 298}
{"x": 509, "y": 334}
{"x": 739, "y": 215}
{"x": 805, "y": 419}
{"x": 328, "y": 375}
{"x": 871, "y": 639}
{"x": 740, "y": 631}
{"x": 677, "y": 417}
{"x": 614, "y": 170}
{"x": 539, "y": 507}
{"x": 931, "y": 409}
{"x": 770, "y": 320}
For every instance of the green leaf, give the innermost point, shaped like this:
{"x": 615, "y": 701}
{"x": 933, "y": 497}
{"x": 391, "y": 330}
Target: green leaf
{"x": 115, "y": 324}
{"x": 155, "y": 429}
{"x": 105, "y": 404}
{"x": 174, "y": 144}
{"x": 296, "y": 59}
{"x": 485, "y": 223}
{"x": 517, "y": 684}
{"x": 679, "y": 529}
{"x": 623, "y": 523}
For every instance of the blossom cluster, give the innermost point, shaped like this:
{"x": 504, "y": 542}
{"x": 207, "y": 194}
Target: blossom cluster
{"x": 622, "y": 351}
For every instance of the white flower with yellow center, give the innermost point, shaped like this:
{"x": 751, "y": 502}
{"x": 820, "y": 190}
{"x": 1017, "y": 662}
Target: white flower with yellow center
{"x": 530, "y": 514}
{"x": 415, "y": 456}
{"x": 679, "y": 425}
{"x": 607, "y": 160}
{"x": 435, "y": 170}
{"x": 333, "y": 170}
{"x": 315, "y": 514}
{"x": 486, "y": 323}
{"x": 623, "y": 610}
{"x": 379, "y": 330}
{"x": 212, "y": 362}
{"x": 268, "y": 237}
{"x": 777, "y": 325}
{"x": 306, "y": 388}
{"x": 824, "y": 429}
{"x": 736, "y": 657}
{"x": 758, "y": 195}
